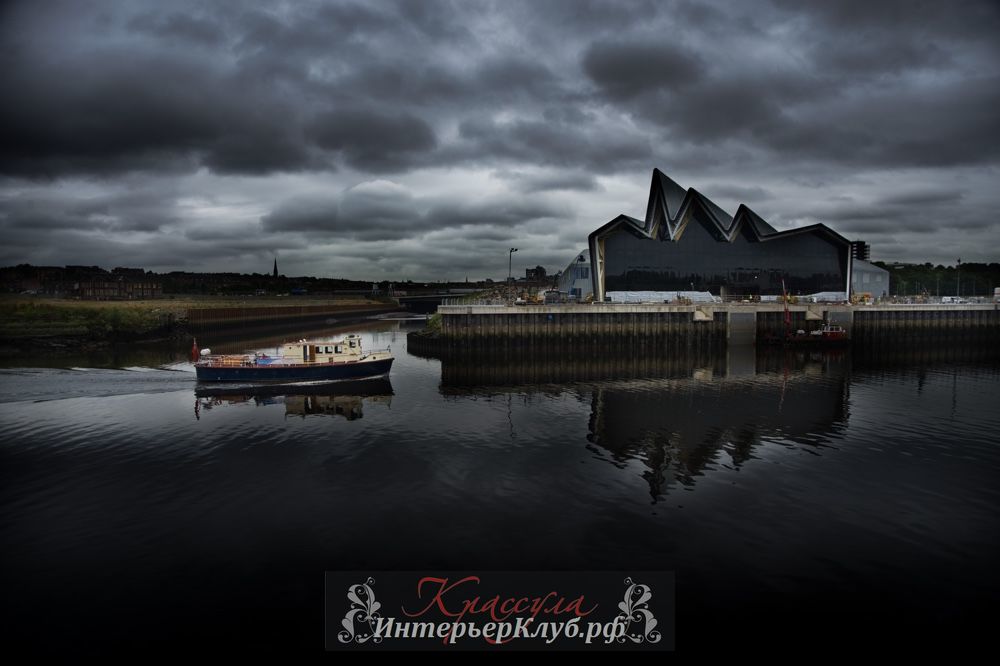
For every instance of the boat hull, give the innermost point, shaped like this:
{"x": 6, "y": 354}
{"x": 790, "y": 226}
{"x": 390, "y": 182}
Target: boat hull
{"x": 295, "y": 373}
{"x": 364, "y": 387}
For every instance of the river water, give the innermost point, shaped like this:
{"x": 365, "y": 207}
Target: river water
{"x": 826, "y": 497}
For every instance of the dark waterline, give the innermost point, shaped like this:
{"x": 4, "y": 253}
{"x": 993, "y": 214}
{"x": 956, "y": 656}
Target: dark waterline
{"x": 828, "y": 497}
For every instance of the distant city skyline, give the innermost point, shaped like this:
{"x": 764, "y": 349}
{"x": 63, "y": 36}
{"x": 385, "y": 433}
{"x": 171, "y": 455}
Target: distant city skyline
{"x": 422, "y": 140}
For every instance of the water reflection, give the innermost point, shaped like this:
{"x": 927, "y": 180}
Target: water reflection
{"x": 910, "y": 354}
{"x": 680, "y": 415}
{"x": 344, "y": 399}
{"x": 471, "y": 369}
{"x": 804, "y": 488}
{"x": 681, "y": 429}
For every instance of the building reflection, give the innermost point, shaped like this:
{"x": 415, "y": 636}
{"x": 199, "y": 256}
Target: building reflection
{"x": 462, "y": 370}
{"x": 680, "y": 415}
{"x": 344, "y": 399}
{"x": 681, "y": 429}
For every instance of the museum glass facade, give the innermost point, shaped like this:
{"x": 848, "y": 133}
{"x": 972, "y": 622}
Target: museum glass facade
{"x": 687, "y": 243}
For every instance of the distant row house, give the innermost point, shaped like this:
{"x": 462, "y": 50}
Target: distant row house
{"x": 85, "y": 282}
{"x": 116, "y": 290}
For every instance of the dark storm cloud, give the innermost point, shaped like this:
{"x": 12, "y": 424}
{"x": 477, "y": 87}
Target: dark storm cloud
{"x": 179, "y": 27}
{"x": 384, "y": 211}
{"x": 544, "y": 117}
{"x": 461, "y": 257}
{"x": 914, "y": 213}
{"x": 505, "y": 212}
{"x": 545, "y": 182}
{"x": 169, "y": 252}
{"x": 377, "y": 211}
{"x": 374, "y": 141}
{"x": 391, "y": 82}
{"x": 543, "y": 142}
{"x": 475, "y": 234}
{"x": 120, "y": 105}
{"x": 932, "y": 125}
{"x": 866, "y": 98}
{"x": 312, "y": 215}
{"x": 861, "y": 56}
{"x": 495, "y": 82}
{"x": 129, "y": 211}
{"x": 862, "y": 224}
{"x": 624, "y": 69}
{"x": 516, "y": 74}
{"x": 297, "y": 30}
{"x": 728, "y": 107}
{"x": 934, "y": 197}
{"x": 295, "y": 89}
{"x": 968, "y": 19}
{"x": 106, "y": 115}
{"x": 584, "y": 16}
{"x": 744, "y": 193}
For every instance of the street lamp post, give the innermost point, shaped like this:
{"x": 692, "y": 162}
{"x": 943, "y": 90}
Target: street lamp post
{"x": 510, "y": 262}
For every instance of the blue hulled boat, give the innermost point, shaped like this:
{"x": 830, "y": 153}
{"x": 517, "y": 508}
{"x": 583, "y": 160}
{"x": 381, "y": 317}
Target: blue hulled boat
{"x": 305, "y": 360}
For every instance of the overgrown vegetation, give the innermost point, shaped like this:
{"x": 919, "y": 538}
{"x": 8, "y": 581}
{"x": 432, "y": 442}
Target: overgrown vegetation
{"x": 30, "y": 319}
{"x": 927, "y": 279}
{"x": 33, "y": 316}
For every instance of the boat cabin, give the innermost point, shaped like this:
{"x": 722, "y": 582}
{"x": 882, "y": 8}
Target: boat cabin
{"x": 323, "y": 351}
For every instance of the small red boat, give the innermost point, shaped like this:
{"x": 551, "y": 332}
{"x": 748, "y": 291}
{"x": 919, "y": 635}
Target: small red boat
{"x": 829, "y": 334}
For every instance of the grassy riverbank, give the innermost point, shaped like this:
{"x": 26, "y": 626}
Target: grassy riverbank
{"x": 39, "y": 319}
{"x": 34, "y": 319}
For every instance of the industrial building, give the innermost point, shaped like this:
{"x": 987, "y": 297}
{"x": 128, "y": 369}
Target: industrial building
{"x": 575, "y": 280}
{"x": 687, "y": 243}
{"x": 867, "y": 278}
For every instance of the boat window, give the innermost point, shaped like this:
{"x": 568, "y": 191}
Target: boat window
{"x": 352, "y": 344}
{"x": 338, "y": 349}
{"x": 326, "y": 350}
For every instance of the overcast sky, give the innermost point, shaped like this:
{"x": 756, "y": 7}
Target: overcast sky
{"x": 421, "y": 140}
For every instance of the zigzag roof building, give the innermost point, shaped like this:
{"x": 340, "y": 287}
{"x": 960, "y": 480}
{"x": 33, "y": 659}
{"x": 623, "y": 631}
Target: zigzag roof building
{"x": 688, "y": 243}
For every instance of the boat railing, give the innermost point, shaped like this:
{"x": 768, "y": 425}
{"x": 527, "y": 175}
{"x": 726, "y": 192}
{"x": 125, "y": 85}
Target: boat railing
{"x": 228, "y": 361}
{"x": 250, "y": 360}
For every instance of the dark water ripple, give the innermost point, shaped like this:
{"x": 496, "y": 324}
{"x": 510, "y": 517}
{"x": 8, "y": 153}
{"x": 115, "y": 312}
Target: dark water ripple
{"x": 781, "y": 491}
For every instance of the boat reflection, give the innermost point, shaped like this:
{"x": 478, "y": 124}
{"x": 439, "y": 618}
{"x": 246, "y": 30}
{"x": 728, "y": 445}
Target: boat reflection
{"x": 345, "y": 399}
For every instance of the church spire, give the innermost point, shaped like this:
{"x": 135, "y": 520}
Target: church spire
{"x": 275, "y": 267}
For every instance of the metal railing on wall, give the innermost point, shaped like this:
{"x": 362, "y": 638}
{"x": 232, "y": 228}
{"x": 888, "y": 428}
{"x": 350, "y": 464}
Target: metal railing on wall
{"x": 475, "y": 301}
